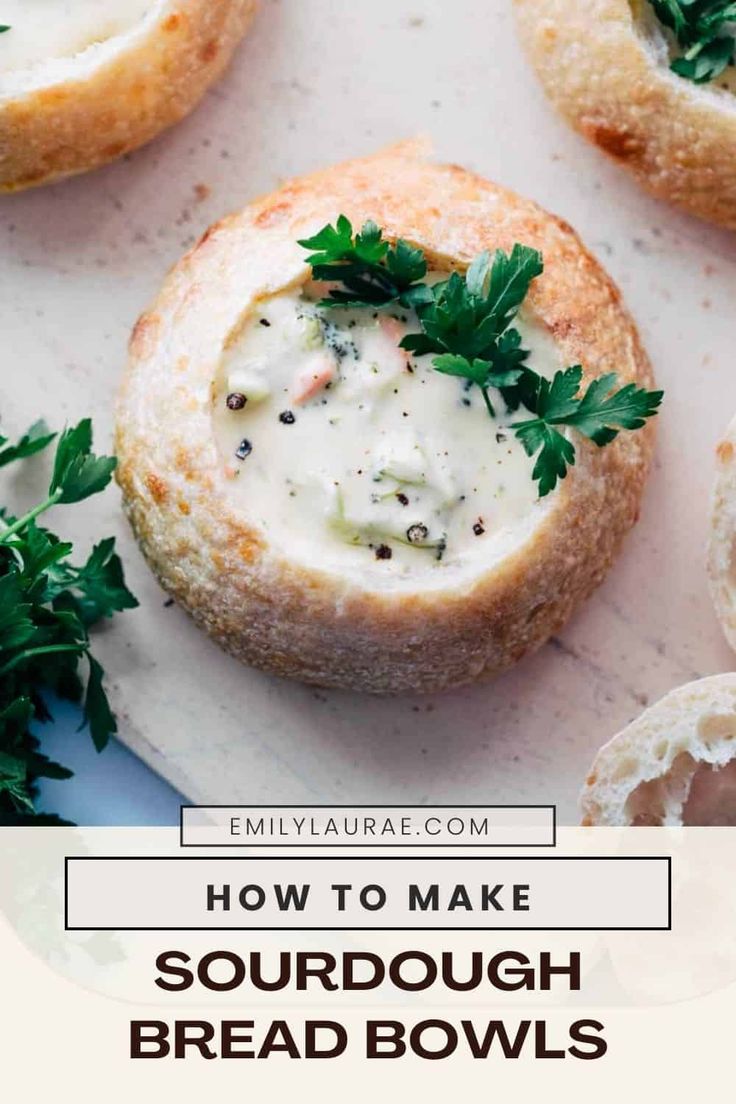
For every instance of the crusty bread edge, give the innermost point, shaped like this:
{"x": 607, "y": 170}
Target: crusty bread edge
{"x": 656, "y": 745}
{"x": 677, "y": 138}
{"x": 311, "y": 624}
{"x": 144, "y": 82}
{"x": 722, "y": 537}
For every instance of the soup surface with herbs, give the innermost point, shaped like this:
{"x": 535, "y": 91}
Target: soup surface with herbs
{"x": 349, "y": 452}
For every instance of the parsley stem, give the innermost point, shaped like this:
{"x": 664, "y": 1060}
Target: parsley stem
{"x": 31, "y": 653}
{"x": 21, "y": 522}
{"x": 489, "y": 404}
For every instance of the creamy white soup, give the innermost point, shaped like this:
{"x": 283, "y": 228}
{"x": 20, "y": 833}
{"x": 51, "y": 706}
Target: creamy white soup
{"x": 349, "y": 452}
{"x": 42, "y": 30}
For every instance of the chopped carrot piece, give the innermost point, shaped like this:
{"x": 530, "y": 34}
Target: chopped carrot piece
{"x": 310, "y": 381}
{"x": 394, "y": 331}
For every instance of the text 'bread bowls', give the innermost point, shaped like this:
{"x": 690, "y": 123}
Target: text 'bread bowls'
{"x": 84, "y": 82}
{"x": 355, "y": 441}
{"x": 675, "y": 765}
{"x": 651, "y": 83}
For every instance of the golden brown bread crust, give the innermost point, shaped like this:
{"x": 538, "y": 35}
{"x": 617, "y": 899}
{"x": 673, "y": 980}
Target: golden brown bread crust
{"x": 122, "y": 97}
{"x": 318, "y": 626}
{"x": 722, "y": 537}
{"x": 604, "y": 64}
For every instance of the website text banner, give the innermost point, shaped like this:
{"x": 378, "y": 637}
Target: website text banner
{"x": 368, "y": 826}
{"x": 368, "y": 893}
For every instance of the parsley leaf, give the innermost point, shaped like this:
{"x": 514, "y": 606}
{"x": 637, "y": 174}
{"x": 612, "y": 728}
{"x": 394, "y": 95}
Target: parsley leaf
{"x": 374, "y": 273}
{"x": 16, "y": 626}
{"x": 35, "y": 440}
{"x": 467, "y": 315}
{"x": 466, "y": 321}
{"x": 702, "y": 30}
{"x": 95, "y": 590}
{"x": 478, "y": 371}
{"x": 97, "y": 712}
{"x": 77, "y": 472}
{"x": 670, "y": 13}
{"x": 47, "y": 606}
{"x": 599, "y": 414}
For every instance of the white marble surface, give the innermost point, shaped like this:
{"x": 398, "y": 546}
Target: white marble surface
{"x": 317, "y": 81}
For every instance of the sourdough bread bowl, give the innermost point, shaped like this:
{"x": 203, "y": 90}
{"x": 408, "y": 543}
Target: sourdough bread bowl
{"x": 674, "y": 765}
{"x": 605, "y": 64}
{"x": 303, "y": 529}
{"x": 722, "y": 537}
{"x": 84, "y": 82}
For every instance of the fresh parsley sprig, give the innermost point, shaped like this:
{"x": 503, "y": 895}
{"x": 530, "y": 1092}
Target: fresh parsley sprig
{"x": 47, "y": 606}
{"x": 466, "y": 323}
{"x": 702, "y": 30}
{"x": 468, "y": 318}
{"x": 374, "y": 273}
{"x": 35, "y": 440}
{"x": 469, "y": 324}
{"x": 599, "y": 414}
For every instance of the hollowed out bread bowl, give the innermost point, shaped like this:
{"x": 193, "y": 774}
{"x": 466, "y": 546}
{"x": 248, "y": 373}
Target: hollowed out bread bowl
{"x": 674, "y": 765}
{"x": 605, "y": 65}
{"x": 85, "y": 82}
{"x": 295, "y": 583}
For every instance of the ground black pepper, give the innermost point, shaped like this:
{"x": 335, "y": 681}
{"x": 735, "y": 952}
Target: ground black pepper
{"x": 479, "y": 528}
{"x": 244, "y": 449}
{"x": 286, "y": 417}
{"x": 383, "y": 552}
{"x": 402, "y": 498}
{"x": 236, "y": 400}
{"x": 265, "y": 322}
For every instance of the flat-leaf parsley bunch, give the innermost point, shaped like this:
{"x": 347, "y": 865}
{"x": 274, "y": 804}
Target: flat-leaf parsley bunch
{"x": 466, "y": 322}
{"x": 704, "y": 33}
{"x": 47, "y": 606}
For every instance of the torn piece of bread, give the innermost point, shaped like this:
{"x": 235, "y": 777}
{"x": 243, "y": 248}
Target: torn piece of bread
{"x": 674, "y": 765}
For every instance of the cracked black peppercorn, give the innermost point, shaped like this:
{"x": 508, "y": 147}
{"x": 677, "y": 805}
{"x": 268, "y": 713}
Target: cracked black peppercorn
{"x": 286, "y": 417}
{"x": 402, "y": 498}
{"x": 244, "y": 449}
{"x": 236, "y": 400}
{"x": 415, "y": 534}
{"x": 479, "y": 528}
{"x": 383, "y": 552}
